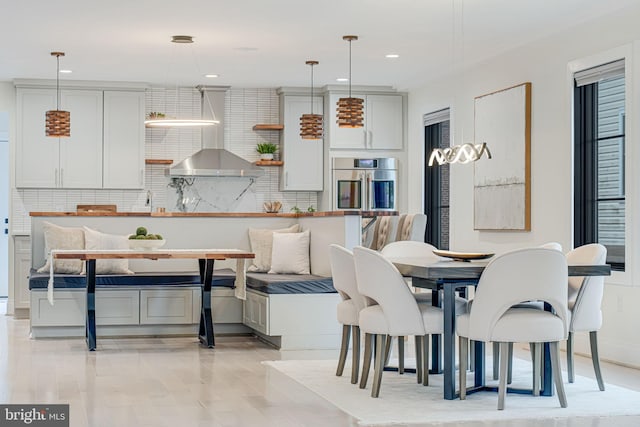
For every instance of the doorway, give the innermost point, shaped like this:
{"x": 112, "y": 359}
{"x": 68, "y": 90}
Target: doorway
{"x": 4, "y": 204}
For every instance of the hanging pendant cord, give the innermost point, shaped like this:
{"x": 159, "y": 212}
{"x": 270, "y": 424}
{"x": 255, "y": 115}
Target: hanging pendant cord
{"x": 57, "y": 82}
{"x": 311, "y": 88}
{"x": 349, "y": 68}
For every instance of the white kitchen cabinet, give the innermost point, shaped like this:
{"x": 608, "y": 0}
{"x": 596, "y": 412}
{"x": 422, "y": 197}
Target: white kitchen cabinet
{"x": 21, "y": 269}
{"x": 383, "y": 124}
{"x": 105, "y": 149}
{"x": 123, "y": 147}
{"x": 303, "y": 158}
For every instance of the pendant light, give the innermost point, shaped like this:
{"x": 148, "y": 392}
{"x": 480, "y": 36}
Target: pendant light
{"x": 350, "y": 110}
{"x": 311, "y": 124}
{"x": 160, "y": 120}
{"x": 58, "y": 122}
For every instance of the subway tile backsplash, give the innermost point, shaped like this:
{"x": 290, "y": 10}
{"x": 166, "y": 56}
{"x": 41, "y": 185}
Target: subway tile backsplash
{"x": 244, "y": 107}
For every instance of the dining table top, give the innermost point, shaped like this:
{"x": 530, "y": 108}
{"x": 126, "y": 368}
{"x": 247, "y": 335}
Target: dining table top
{"x": 87, "y": 254}
{"x": 438, "y": 268}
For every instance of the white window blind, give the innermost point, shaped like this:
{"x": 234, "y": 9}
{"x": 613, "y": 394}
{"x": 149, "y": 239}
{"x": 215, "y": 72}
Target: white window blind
{"x": 601, "y": 72}
{"x": 436, "y": 117}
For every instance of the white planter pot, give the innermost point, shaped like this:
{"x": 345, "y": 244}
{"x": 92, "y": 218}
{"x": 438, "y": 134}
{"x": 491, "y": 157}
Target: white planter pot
{"x": 266, "y": 156}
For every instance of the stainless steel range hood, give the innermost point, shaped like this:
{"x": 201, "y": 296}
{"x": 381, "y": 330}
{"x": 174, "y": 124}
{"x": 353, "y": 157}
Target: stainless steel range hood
{"x": 213, "y": 160}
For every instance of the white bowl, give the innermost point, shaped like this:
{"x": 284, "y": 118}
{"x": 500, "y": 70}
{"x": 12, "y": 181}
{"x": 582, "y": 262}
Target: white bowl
{"x": 143, "y": 244}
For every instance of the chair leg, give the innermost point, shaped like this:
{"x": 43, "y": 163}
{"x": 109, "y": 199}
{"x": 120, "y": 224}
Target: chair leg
{"x": 593, "y": 339}
{"x": 537, "y": 360}
{"x": 554, "y": 348}
{"x": 510, "y": 360}
{"x": 401, "y": 355}
{"x": 418, "y": 358}
{"x": 570, "y": 373}
{"x": 425, "y": 360}
{"x": 472, "y": 356}
{"x": 387, "y": 350}
{"x": 496, "y": 359}
{"x": 463, "y": 344}
{"x": 502, "y": 384}
{"x": 344, "y": 348}
{"x": 355, "y": 352}
{"x": 381, "y": 341}
{"x": 366, "y": 363}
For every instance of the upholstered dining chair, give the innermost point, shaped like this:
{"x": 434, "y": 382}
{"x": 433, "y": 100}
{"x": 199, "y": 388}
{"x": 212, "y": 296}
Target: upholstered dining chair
{"x": 535, "y": 274}
{"x": 412, "y": 248}
{"x": 344, "y": 280}
{"x": 584, "y": 302}
{"x": 395, "y": 313}
{"x": 496, "y": 347}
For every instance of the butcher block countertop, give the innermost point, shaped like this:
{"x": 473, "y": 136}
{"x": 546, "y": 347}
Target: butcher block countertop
{"x": 366, "y": 214}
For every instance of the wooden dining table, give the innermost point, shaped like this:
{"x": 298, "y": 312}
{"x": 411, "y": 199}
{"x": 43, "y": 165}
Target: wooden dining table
{"x": 205, "y": 257}
{"x": 451, "y": 276}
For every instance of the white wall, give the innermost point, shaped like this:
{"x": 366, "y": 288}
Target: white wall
{"x": 546, "y": 64}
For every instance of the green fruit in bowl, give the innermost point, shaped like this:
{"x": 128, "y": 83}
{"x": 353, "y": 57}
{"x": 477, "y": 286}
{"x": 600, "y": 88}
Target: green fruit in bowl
{"x": 151, "y": 237}
{"x": 141, "y": 231}
{"x": 159, "y": 237}
{"x": 140, "y": 237}
{"x": 132, "y": 236}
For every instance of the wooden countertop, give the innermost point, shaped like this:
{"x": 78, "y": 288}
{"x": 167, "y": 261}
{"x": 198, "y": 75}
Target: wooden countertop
{"x": 366, "y": 214}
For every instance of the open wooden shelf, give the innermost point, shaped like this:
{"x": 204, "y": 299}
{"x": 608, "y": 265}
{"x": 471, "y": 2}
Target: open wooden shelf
{"x": 265, "y": 126}
{"x": 158, "y": 161}
{"x": 269, "y": 163}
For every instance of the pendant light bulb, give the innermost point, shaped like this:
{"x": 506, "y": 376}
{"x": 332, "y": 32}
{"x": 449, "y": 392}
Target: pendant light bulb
{"x": 311, "y": 124}
{"x": 350, "y": 113}
{"x": 57, "y": 122}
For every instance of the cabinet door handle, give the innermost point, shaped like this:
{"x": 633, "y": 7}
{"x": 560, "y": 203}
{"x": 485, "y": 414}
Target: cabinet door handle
{"x": 364, "y": 133}
{"x": 55, "y": 179}
{"x": 61, "y": 177}
{"x": 370, "y": 132}
{"x": 286, "y": 179}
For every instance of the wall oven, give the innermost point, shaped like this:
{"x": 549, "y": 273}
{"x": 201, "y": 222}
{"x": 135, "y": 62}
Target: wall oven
{"x": 364, "y": 184}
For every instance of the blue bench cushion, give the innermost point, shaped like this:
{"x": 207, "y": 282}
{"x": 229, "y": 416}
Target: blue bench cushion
{"x": 290, "y": 283}
{"x": 61, "y": 281}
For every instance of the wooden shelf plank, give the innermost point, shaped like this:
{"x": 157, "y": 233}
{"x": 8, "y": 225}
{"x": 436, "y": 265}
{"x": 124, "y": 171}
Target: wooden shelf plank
{"x": 269, "y": 163}
{"x": 158, "y": 161}
{"x": 265, "y": 126}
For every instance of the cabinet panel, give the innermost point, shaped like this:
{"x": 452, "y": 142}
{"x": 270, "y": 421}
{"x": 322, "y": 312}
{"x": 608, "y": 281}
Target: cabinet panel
{"x": 36, "y": 154}
{"x": 21, "y": 269}
{"x": 123, "y": 139}
{"x": 303, "y": 158}
{"x": 384, "y": 122}
{"x": 117, "y": 307}
{"x": 81, "y": 152}
{"x": 166, "y": 307}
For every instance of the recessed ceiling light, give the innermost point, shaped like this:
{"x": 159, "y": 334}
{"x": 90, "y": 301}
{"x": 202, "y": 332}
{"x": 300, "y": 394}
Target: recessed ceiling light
{"x": 392, "y": 55}
{"x": 342, "y": 79}
{"x": 211, "y": 76}
{"x": 66, "y": 71}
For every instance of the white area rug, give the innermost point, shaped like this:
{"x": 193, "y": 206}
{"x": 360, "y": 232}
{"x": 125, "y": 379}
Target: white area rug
{"x": 403, "y": 401}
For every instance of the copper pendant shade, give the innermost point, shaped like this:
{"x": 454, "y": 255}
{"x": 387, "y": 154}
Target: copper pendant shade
{"x": 58, "y": 122}
{"x": 350, "y": 111}
{"x": 311, "y": 124}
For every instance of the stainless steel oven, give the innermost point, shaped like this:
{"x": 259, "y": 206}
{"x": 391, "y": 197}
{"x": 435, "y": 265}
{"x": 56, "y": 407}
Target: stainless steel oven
{"x": 368, "y": 184}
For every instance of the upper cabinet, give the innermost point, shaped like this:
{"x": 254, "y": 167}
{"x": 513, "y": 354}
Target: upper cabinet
{"x": 384, "y": 123}
{"x": 303, "y": 158}
{"x": 123, "y": 143}
{"x": 105, "y": 149}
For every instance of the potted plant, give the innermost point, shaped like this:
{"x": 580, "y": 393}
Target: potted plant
{"x": 266, "y": 150}
{"x": 155, "y": 115}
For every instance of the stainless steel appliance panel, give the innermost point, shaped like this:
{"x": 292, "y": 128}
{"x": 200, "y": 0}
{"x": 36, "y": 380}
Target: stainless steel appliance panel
{"x": 364, "y": 183}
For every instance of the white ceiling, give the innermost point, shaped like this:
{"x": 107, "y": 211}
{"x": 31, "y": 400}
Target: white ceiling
{"x": 252, "y": 43}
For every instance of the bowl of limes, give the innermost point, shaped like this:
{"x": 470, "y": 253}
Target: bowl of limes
{"x": 143, "y": 240}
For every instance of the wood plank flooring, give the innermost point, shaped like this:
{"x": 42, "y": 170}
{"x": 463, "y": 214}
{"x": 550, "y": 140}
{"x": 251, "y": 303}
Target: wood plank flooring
{"x": 176, "y": 382}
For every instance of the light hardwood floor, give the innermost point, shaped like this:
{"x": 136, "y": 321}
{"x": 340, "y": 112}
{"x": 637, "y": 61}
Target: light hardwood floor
{"x": 176, "y": 382}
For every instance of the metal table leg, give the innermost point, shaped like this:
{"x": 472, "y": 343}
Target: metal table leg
{"x": 449, "y": 362}
{"x": 90, "y": 325}
{"x": 436, "y": 339}
{"x": 206, "y": 319}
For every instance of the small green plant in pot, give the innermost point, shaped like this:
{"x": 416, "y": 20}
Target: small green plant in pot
{"x": 266, "y": 150}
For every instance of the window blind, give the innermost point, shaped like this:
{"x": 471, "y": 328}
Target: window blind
{"x": 601, "y": 72}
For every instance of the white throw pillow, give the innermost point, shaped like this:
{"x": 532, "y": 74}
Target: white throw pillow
{"x": 290, "y": 253}
{"x": 261, "y": 241}
{"x": 95, "y": 240}
{"x": 56, "y": 237}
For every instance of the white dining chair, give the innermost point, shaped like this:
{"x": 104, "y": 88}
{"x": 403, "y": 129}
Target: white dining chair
{"x": 411, "y": 248}
{"x": 344, "y": 281}
{"x": 584, "y": 302}
{"x": 509, "y": 279}
{"x": 395, "y": 313}
{"x": 496, "y": 347}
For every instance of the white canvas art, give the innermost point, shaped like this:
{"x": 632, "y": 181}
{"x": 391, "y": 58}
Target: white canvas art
{"x": 502, "y": 184}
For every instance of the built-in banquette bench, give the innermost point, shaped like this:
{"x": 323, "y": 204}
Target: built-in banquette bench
{"x": 163, "y": 296}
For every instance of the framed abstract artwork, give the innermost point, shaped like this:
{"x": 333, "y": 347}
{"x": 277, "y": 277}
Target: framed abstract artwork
{"x": 502, "y": 185}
